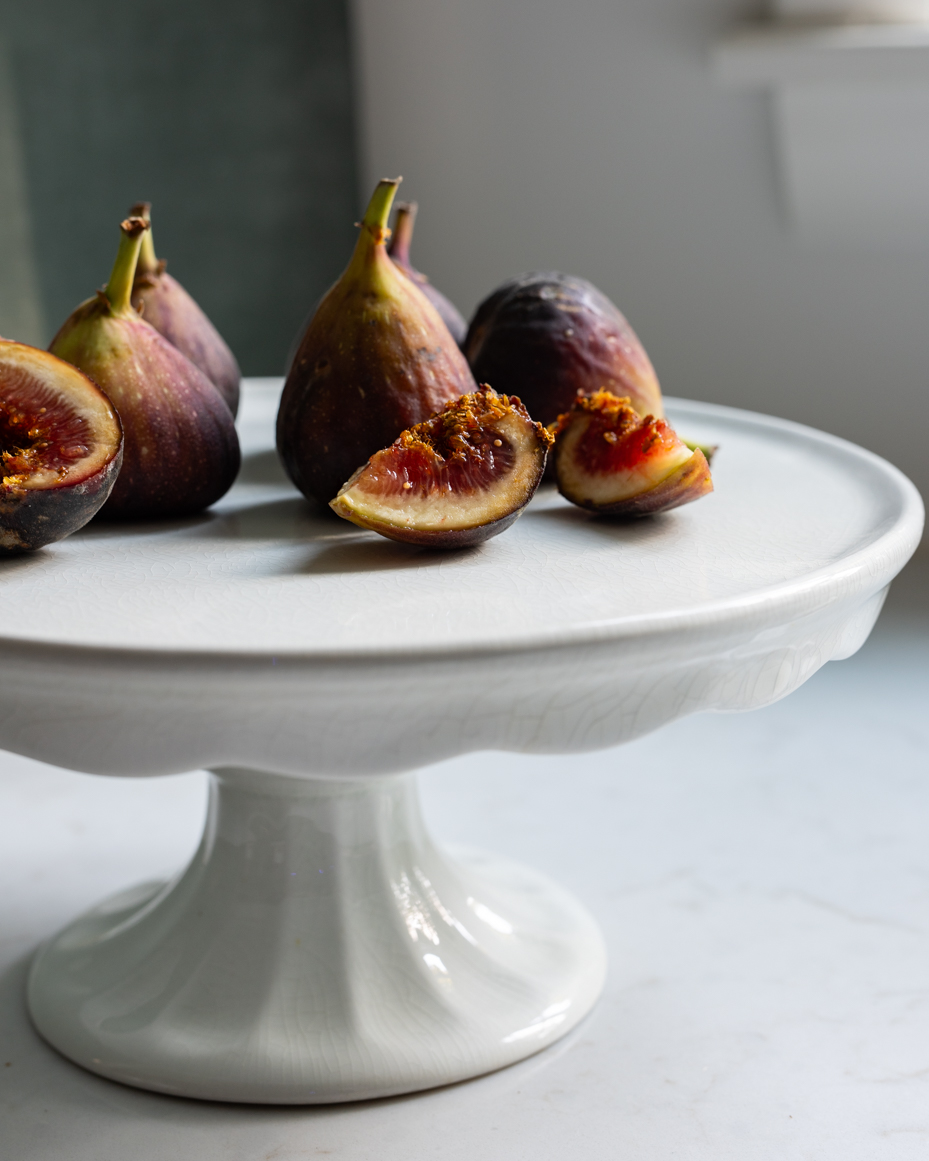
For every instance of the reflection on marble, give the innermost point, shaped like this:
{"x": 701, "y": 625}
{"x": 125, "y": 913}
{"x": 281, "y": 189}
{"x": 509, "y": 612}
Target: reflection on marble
{"x": 762, "y": 881}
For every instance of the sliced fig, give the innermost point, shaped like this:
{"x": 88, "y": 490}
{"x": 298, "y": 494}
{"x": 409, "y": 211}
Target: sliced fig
{"x": 612, "y": 461}
{"x": 454, "y": 480}
{"x": 61, "y": 446}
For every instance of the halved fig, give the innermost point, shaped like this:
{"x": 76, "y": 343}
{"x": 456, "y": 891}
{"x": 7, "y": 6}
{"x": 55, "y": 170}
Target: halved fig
{"x": 612, "y": 461}
{"x": 454, "y": 480}
{"x": 61, "y": 447}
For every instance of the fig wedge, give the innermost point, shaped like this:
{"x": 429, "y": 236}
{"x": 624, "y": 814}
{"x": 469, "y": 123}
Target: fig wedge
{"x": 454, "y": 480}
{"x": 61, "y": 446}
{"x": 612, "y": 461}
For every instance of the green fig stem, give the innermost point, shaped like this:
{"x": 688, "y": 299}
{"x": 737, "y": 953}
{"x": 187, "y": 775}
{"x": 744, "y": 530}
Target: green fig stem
{"x": 375, "y": 220}
{"x": 119, "y": 289}
{"x": 148, "y": 261}
{"x": 399, "y": 248}
{"x": 370, "y": 249}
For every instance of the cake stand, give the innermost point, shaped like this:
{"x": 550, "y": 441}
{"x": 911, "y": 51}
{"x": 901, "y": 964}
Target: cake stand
{"x": 319, "y": 947}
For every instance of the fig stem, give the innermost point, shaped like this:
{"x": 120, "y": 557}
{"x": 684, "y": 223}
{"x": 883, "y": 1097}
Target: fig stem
{"x": 370, "y": 258}
{"x": 399, "y": 248}
{"x": 378, "y": 211}
{"x": 148, "y": 262}
{"x": 119, "y": 288}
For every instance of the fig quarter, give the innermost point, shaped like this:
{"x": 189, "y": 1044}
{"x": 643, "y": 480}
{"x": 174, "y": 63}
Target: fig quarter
{"x": 454, "y": 480}
{"x": 613, "y": 461}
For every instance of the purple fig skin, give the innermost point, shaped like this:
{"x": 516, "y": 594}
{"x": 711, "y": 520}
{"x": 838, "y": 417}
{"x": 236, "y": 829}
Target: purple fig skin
{"x": 33, "y": 519}
{"x": 549, "y": 337}
{"x": 399, "y": 251}
{"x": 447, "y": 541}
{"x": 375, "y": 359}
{"x": 167, "y": 306}
{"x": 49, "y": 500}
{"x": 181, "y": 448}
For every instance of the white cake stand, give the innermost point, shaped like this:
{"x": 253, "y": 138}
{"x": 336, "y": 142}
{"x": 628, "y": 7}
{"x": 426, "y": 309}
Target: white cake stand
{"x": 319, "y": 947}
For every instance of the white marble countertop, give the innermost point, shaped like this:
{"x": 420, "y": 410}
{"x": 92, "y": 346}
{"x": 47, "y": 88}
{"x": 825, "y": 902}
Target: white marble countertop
{"x": 763, "y": 884}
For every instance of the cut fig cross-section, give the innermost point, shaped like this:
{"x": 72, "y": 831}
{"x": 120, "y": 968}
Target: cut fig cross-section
{"x": 613, "y": 461}
{"x": 454, "y": 480}
{"x": 60, "y": 448}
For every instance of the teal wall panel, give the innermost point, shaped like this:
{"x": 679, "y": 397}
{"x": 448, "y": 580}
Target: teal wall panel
{"x": 233, "y": 117}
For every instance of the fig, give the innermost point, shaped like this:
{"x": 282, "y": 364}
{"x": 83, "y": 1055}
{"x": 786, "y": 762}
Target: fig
{"x": 61, "y": 448}
{"x": 181, "y": 451}
{"x": 166, "y": 305}
{"x": 551, "y": 337}
{"x": 613, "y": 461}
{"x": 454, "y": 480}
{"x": 375, "y": 359}
{"x": 399, "y": 250}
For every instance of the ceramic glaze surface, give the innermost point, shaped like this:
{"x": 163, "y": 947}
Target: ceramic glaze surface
{"x": 269, "y": 635}
{"x": 264, "y": 572}
{"x": 318, "y": 947}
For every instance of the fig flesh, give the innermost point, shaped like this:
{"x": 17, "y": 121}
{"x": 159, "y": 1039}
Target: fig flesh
{"x": 611, "y": 460}
{"x": 454, "y": 480}
{"x": 166, "y": 305}
{"x": 60, "y": 448}
{"x": 375, "y": 359}
{"x": 399, "y": 250}
{"x": 181, "y": 450}
{"x": 550, "y": 337}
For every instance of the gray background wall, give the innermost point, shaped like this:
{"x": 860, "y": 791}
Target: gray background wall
{"x": 233, "y": 117}
{"x": 591, "y": 137}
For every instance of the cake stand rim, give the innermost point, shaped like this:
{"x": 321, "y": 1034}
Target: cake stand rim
{"x": 857, "y": 575}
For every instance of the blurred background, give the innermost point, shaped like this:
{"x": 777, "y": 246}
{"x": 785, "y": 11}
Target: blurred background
{"x": 595, "y": 137}
{"x": 236, "y": 121}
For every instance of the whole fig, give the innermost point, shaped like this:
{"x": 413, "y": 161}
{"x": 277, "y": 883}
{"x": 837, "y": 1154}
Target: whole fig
{"x": 375, "y": 359}
{"x": 181, "y": 451}
{"x": 399, "y": 250}
{"x": 550, "y": 337}
{"x": 166, "y": 305}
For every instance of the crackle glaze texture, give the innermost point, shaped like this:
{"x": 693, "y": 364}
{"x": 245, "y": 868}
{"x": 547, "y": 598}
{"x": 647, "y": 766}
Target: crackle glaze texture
{"x": 264, "y": 638}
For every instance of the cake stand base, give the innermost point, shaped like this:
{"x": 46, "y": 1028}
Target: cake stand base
{"x": 318, "y": 948}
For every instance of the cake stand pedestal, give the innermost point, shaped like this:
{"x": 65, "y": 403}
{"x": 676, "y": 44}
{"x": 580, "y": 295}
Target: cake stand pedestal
{"x": 319, "y": 947}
